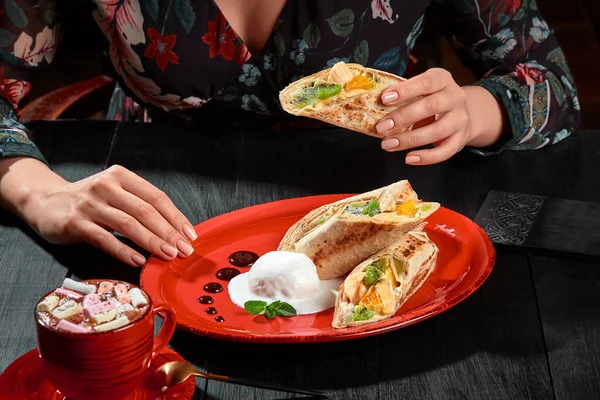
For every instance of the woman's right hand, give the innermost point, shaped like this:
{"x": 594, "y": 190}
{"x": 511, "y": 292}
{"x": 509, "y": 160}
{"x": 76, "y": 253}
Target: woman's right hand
{"x": 114, "y": 199}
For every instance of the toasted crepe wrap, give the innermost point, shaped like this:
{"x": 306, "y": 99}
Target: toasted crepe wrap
{"x": 379, "y": 286}
{"x": 345, "y": 95}
{"x": 338, "y": 236}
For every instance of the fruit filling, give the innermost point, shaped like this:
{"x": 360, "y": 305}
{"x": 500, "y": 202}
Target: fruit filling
{"x": 342, "y": 82}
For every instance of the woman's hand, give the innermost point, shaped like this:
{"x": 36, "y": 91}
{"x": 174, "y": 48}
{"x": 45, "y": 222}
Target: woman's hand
{"x": 114, "y": 199}
{"x": 450, "y": 109}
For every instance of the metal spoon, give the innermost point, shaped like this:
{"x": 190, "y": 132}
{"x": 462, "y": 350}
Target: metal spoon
{"x": 175, "y": 372}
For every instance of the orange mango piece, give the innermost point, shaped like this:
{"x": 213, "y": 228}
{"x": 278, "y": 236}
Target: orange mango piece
{"x": 359, "y": 82}
{"x": 407, "y": 208}
{"x": 373, "y": 300}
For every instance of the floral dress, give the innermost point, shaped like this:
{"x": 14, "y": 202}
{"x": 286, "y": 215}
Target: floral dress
{"x": 178, "y": 55}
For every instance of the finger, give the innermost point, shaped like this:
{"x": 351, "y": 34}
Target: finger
{"x": 439, "y": 130}
{"x": 102, "y": 239}
{"x": 447, "y": 149}
{"x": 157, "y": 198}
{"x": 127, "y": 225}
{"x": 437, "y": 103}
{"x": 151, "y": 219}
{"x": 429, "y": 82}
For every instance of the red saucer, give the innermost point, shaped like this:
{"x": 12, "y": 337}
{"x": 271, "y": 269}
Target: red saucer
{"x": 24, "y": 379}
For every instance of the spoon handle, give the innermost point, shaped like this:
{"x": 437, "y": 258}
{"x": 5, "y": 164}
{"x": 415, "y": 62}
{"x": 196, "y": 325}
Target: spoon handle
{"x": 271, "y": 386}
{"x": 261, "y": 385}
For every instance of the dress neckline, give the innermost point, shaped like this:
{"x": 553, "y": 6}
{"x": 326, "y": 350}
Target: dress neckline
{"x": 258, "y": 55}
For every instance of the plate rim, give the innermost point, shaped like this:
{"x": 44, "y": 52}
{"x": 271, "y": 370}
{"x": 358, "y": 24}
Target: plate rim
{"x": 215, "y": 221}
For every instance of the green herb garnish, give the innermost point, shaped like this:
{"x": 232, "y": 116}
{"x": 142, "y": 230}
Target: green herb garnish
{"x": 255, "y": 307}
{"x": 372, "y": 208}
{"x": 285, "y": 310}
{"x": 276, "y": 308}
{"x": 363, "y": 208}
{"x": 273, "y": 306}
{"x": 270, "y": 313}
{"x": 361, "y": 313}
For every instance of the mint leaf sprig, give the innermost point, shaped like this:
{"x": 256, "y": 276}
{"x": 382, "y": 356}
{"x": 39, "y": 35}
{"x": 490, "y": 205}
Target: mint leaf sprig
{"x": 255, "y": 307}
{"x": 276, "y": 308}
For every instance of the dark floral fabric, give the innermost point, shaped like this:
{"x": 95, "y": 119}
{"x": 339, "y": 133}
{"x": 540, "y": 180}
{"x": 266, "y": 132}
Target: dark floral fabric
{"x": 178, "y": 55}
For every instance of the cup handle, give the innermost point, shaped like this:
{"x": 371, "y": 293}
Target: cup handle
{"x": 166, "y": 331}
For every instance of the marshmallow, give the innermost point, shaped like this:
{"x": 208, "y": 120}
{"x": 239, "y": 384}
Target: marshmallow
{"x": 105, "y": 287}
{"x": 137, "y": 298}
{"x": 49, "y": 303}
{"x": 126, "y": 307}
{"x": 67, "y": 309}
{"x": 92, "y": 309}
{"x": 65, "y": 325}
{"x": 69, "y": 293}
{"x": 121, "y": 293}
{"x": 91, "y": 300}
{"x": 117, "y": 323}
{"x": 79, "y": 286}
{"x": 105, "y": 316}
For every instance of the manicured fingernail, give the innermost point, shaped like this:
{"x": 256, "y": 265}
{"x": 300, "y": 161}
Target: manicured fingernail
{"x": 169, "y": 250}
{"x": 138, "y": 260}
{"x": 385, "y": 125}
{"x": 189, "y": 232}
{"x": 413, "y": 159}
{"x": 185, "y": 248}
{"x": 389, "y": 97}
{"x": 390, "y": 143}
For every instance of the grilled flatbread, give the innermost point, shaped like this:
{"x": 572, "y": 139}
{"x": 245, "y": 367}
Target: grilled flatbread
{"x": 338, "y": 236}
{"x": 377, "y": 288}
{"x": 345, "y": 95}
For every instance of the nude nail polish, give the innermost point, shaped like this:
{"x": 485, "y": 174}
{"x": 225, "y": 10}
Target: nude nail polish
{"x": 185, "y": 248}
{"x": 389, "y": 97}
{"x": 413, "y": 159}
{"x": 189, "y": 232}
{"x": 390, "y": 143}
{"x": 169, "y": 250}
{"x": 385, "y": 125}
{"x": 138, "y": 260}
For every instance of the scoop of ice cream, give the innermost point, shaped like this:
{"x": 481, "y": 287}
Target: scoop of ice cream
{"x": 283, "y": 274}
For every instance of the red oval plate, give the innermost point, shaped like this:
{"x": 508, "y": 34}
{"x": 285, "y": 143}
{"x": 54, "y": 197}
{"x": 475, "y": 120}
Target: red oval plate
{"x": 465, "y": 260}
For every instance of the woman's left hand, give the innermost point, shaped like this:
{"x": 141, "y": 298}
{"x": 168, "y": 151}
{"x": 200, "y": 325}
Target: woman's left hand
{"x": 443, "y": 101}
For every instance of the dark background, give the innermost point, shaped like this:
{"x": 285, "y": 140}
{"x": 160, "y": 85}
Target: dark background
{"x": 576, "y": 24}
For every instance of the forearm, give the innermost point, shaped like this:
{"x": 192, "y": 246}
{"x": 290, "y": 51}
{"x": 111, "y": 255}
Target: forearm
{"x": 519, "y": 61}
{"x": 486, "y": 115}
{"x": 21, "y": 180}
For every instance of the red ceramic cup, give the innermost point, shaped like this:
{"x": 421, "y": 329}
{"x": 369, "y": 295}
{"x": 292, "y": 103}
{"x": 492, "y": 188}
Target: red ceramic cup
{"x": 103, "y": 365}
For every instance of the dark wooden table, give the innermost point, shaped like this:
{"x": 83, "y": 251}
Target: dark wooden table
{"x": 531, "y": 331}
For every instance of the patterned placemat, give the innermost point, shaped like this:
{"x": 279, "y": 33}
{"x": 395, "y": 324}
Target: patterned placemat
{"x": 526, "y": 220}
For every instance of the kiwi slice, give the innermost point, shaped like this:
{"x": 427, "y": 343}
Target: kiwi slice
{"x": 305, "y": 98}
{"x": 325, "y": 91}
